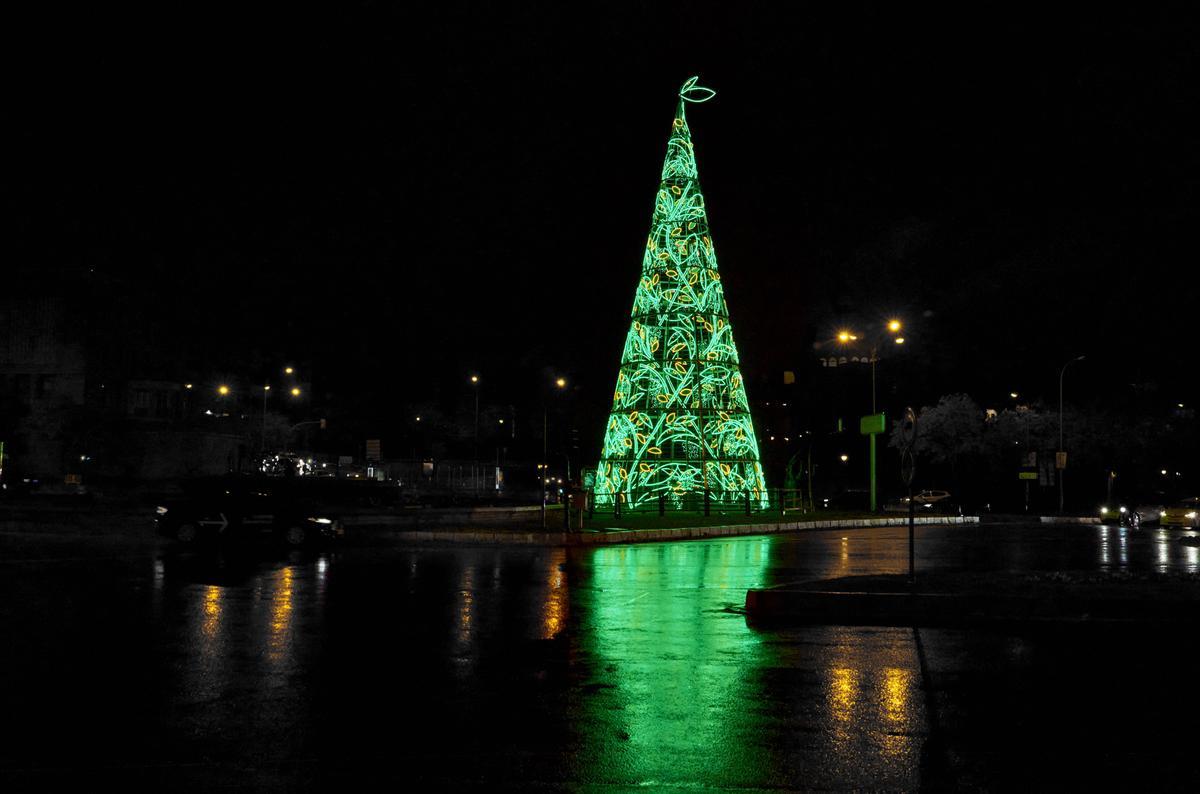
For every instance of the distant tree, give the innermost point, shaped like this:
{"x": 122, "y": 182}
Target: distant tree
{"x": 949, "y": 432}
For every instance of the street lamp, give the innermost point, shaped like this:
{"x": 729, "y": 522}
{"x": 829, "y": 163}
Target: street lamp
{"x": 262, "y": 445}
{"x": 894, "y": 327}
{"x": 560, "y": 383}
{"x": 1063, "y": 468}
{"x": 475, "y": 384}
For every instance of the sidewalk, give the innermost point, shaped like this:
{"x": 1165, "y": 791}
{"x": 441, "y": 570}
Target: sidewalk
{"x": 964, "y": 599}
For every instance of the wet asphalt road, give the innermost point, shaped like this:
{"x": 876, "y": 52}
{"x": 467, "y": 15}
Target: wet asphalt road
{"x": 616, "y": 668}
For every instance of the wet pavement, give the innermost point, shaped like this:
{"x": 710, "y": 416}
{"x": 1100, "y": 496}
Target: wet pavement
{"x": 614, "y": 668}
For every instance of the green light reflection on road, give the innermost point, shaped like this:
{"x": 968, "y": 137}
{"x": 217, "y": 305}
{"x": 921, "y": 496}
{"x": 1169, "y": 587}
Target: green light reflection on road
{"x": 675, "y": 681}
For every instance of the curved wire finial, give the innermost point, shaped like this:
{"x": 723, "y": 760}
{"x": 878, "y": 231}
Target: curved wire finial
{"x": 690, "y": 92}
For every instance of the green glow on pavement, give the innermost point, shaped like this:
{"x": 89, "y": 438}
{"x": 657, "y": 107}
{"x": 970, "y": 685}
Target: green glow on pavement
{"x": 680, "y": 421}
{"x": 679, "y": 680}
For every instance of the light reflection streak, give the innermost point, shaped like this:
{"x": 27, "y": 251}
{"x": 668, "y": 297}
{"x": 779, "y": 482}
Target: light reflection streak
{"x": 1105, "y": 558}
{"x": 322, "y": 578}
{"x": 1123, "y": 547}
{"x": 211, "y": 622}
{"x": 554, "y": 608}
{"x": 1164, "y": 551}
{"x": 897, "y": 686}
{"x": 466, "y": 604}
{"x": 1191, "y": 558}
{"x": 281, "y": 613}
{"x": 843, "y": 693}
{"x": 896, "y": 707}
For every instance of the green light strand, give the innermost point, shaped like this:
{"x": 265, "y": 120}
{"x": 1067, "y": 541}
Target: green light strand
{"x": 680, "y": 420}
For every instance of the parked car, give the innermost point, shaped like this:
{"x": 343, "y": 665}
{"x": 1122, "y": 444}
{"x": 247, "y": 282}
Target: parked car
{"x": 1122, "y": 515}
{"x": 1184, "y": 513}
{"x": 240, "y": 516}
{"x": 930, "y": 501}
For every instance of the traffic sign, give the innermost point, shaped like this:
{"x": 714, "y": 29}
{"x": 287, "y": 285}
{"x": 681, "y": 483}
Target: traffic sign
{"x": 872, "y": 424}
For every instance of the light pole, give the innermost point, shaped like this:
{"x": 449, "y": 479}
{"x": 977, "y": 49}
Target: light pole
{"x": 560, "y": 383}
{"x": 475, "y": 384}
{"x": 1063, "y": 468}
{"x": 845, "y": 337}
{"x": 475, "y": 456}
{"x": 263, "y": 444}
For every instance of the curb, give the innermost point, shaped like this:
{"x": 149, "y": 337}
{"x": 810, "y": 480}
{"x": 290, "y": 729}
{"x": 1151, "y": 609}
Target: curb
{"x": 952, "y": 610}
{"x": 477, "y": 536}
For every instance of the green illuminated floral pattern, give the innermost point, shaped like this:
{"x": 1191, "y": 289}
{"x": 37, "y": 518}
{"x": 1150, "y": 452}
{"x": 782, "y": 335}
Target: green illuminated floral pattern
{"x": 680, "y": 422}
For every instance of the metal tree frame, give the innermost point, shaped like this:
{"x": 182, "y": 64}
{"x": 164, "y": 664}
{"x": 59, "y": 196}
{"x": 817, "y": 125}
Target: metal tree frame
{"x": 680, "y": 423}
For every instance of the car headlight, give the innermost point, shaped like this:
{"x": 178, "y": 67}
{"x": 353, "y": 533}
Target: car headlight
{"x": 162, "y": 511}
{"x": 321, "y": 520}
{"x": 1103, "y": 511}
{"x": 1123, "y": 510}
{"x": 1191, "y": 514}
{"x": 1162, "y": 514}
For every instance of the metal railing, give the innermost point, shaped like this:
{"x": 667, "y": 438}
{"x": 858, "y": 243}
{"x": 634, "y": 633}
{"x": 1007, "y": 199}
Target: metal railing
{"x": 770, "y": 501}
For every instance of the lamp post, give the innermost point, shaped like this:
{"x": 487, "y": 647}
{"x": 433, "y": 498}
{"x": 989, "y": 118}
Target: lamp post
{"x": 1063, "y": 470}
{"x": 263, "y": 443}
{"x": 560, "y": 383}
{"x": 845, "y": 337}
{"x": 475, "y": 385}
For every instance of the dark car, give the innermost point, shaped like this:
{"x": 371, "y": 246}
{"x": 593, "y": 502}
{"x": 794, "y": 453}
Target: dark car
{"x": 929, "y": 502}
{"x": 245, "y": 514}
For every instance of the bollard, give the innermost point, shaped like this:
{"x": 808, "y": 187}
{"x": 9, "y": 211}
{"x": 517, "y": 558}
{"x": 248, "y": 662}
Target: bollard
{"x": 591, "y": 504}
{"x": 747, "y": 501}
{"x": 662, "y": 504}
{"x": 707, "y": 505}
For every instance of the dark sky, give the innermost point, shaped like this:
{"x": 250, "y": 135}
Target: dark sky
{"x": 399, "y": 197}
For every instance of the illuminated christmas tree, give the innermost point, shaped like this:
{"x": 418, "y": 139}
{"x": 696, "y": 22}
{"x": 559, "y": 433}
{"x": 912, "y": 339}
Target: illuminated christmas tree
{"x": 680, "y": 425}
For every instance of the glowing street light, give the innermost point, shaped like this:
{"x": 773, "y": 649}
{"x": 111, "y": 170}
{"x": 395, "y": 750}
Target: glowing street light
{"x": 223, "y": 390}
{"x": 295, "y": 391}
{"x": 560, "y": 383}
{"x": 875, "y": 338}
{"x": 288, "y": 370}
{"x": 262, "y": 443}
{"x": 475, "y": 383}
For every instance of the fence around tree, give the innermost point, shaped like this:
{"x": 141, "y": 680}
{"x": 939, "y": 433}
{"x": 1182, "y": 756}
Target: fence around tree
{"x": 750, "y": 502}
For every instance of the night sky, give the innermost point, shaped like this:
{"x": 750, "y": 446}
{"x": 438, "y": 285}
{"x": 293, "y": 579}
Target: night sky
{"x": 397, "y": 199}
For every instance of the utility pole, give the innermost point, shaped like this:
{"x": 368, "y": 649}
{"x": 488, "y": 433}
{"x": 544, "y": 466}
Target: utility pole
{"x": 1060, "y": 462}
